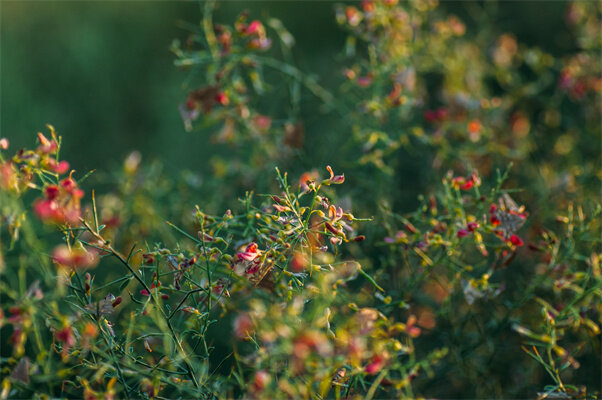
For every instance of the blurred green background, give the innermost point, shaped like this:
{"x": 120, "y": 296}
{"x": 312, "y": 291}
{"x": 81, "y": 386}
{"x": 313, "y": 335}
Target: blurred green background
{"x": 103, "y": 75}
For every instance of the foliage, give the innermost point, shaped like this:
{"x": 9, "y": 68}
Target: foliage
{"x": 290, "y": 294}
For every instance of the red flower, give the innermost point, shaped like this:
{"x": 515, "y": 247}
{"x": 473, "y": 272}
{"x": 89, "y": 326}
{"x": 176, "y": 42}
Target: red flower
{"x": 60, "y": 168}
{"x": 250, "y": 253}
{"x": 462, "y": 233}
{"x": 438, "y": 115}
{"x": 51, "y": 192}
{"x": 472, "y": 226}
{"x": 262, "y": 379}
{"x": 222, "y": 98}
{"x": 377, "y": 362}
{"x": 66, "y": 336}
{"x": 516, "y": 241}
{"x": 468, "y": 185}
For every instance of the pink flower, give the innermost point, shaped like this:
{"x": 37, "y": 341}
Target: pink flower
{"x": 411, "y": 328}
{"x": 472, "y": 226}
{"x": 46, "y": 146}
{"x": 74, "y": 257}
{"x": 463, "y": 233}
{"x": 364, "y": 81}
{"x": 48, "y": 210}
{"x": 66, "y": 336}
{"x": 377, "y": 362}
{"x": 60, "y": 168}
{"x": 336, "y": 179}
{"x": 262, "y": 122}
{"x": 255, "y": 28}
{"x": 243, "y": 326}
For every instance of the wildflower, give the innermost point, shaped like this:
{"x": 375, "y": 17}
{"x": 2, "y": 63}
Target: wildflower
{"x": 281, "y": 208}
{"x": 336, "y": 179}
{"x": 493, "y": 220}
{"x": 149, "y": 258}
{"x": 243, "y": 326}
{"x": 74, "y": 257}
{"x": 365, "y": 81}
{"x": 311, "y": 342}
{"x": 261, "y": 380}
{"x": 4, "y": 143}
{"x": 250, "y": 253}
{"x": 222, "y": 98}
{"x": 255, "y": 28}
{"x": 298, "y": 262}
{"x": 117, "y": 302}
{"x": 515, "y": 240}
{"x": 377, "y": 362}
{"x": 466, "y": 183}
{"x": 365, "y": 318}
{"x": 46, "y": 146}
{"x": 474, "y": 126}
{"x": 61, "y": 204}
{"x": 472, "y": 226}
{"x": 307, "y": 178}
{"x": 146, "y": 293}
{"x": 353, "y": 15}
{"x": 90, "y": 330}
{"x": 367, "y": 6}
{"x": 8, "y": 176}
{"x": 67, "y": 337}
{"x": 262, "y": 122}
{"x": 331, "y": 228}
{"x": 60, "y": 167}
{"x": 411, "y": 329}
{"x": 438, "y": 115}
{"x": 463, "y": 233}
{"x": 335, "y": 213}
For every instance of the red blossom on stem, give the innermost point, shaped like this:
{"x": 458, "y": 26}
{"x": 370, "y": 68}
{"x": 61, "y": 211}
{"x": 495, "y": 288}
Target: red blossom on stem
{"x": 463, "y": 233}
{"x": 516, "y": 241}
{"x": 75, "y": 257}
{"x": 250, "y": 253}
{"x": 336, "y": 179}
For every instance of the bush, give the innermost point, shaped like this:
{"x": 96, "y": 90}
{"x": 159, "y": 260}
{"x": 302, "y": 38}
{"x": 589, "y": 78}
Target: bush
{"x": 490, "y": 288}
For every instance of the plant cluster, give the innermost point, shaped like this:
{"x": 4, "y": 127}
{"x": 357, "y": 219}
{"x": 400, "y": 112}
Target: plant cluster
{"x": 304, "y": 291}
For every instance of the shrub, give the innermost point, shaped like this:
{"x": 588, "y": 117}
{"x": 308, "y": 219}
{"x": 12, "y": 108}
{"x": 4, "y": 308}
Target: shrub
{"x": 323, "y": 285}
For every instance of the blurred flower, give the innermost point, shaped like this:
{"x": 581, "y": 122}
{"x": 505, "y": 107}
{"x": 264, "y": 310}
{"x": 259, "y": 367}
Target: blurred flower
{"x": 74, "y": 257}
{"x": 377, "y": 362}
{"x": 243, "y": 326}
